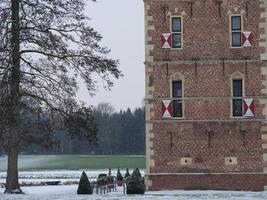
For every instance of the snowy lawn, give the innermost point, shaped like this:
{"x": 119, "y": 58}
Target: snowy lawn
{"x": 66, "y": 177}
{"x": 69, "y": 193}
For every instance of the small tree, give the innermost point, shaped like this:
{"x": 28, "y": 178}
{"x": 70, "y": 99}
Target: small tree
{"x": 127, "y": 174}
{"x": 45, "y": 48}
{"x": 119, "y": 176}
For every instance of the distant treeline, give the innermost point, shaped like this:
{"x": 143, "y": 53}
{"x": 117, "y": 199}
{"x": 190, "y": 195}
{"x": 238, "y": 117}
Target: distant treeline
{"x": 120, "y": 133}
{"x": 117, "y": 133}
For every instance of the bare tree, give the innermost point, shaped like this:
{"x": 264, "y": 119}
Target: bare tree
{"x": 105, "y": 109}
{"x": 45, "y": 47}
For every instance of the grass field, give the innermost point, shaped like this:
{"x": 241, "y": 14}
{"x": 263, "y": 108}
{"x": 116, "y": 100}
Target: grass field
{"x": 75, "y": 162}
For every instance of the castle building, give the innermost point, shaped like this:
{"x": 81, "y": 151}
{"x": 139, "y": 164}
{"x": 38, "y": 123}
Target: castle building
{"x": 206, "y": 94}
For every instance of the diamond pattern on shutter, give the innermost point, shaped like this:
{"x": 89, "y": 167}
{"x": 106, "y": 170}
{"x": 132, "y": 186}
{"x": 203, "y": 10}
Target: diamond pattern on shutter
{"x": 249, "y": 110}
{"x": 247, "y": 39}
{"x": 166, "y": 40}
{"x": 167, "y": 109}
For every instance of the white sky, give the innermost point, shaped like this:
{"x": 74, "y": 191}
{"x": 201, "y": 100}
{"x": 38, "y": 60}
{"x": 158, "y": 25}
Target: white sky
{"x": 121, "y": 23}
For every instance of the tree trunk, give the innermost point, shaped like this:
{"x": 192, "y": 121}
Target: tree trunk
{"x": 13, "y": 109}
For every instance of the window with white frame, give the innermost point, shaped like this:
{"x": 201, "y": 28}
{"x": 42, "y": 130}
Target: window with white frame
{"x": 176, "y": 32}
{"x": 236, "y": 31}
{"x": 177, "y": 94}
{"x": 237, "y": 97}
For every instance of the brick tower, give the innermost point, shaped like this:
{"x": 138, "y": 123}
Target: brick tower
{"x": 206, "y": 94}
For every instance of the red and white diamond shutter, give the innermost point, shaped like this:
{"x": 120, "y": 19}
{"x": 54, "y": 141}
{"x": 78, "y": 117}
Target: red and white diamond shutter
{"x": 249, "y": 110}
{"x": 166, "y": 40}
{"x": 247, "y": 39}
{"x": 166, "y": 109}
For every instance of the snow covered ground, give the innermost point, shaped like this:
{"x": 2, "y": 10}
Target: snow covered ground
{"x": 69, "y": 193}
{"x": 66, "y": 177}
{"x": 59, "y": 174}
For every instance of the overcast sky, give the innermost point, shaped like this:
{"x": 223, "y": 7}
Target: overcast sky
{"x": 121, "y": 23}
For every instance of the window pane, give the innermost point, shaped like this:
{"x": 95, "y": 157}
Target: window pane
{"x": 176, "y": 24}
{"x": 237, "y": 107}
{"x": 176, "y": 40}
{"x": 177, "y": 108}
{"x": 177, "y": 89}
{"x": 237, "y": 88}
{"x": 236, "y": 23}
{"x": 236, "y": 39}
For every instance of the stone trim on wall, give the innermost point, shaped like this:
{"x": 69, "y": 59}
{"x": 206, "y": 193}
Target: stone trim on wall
{"x": 190, "y": 62}
{"x": 263, "y": 45}
{"x": 148, "y": 93}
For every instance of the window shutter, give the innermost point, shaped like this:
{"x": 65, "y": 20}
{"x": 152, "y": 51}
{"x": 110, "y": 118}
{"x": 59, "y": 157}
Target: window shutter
{"x": 247, "y": 39}
{"x": 249, "y": 110}
{"x": 166, "y": 40}
{"x": 166, "y": 109}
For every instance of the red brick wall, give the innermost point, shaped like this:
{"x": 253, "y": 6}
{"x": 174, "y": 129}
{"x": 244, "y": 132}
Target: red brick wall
{"x": 191, "y": 140}
{"x": 207, "y": 88}
{"x": 206, "y": 34}
{"x": 252, "y": 182}
{"x": 209, "y": 80}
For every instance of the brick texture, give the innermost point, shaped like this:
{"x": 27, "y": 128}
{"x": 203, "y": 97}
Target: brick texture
{"x": 207, "y": 97}
{"x": 239, "y": 182}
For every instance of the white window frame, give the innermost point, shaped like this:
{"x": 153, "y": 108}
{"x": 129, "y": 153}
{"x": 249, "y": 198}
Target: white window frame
{"x": 181, "y": 32}
{"x": 235, "y": 31}
{"x": 178, "y": 77}
{"x": 237, "y": 76}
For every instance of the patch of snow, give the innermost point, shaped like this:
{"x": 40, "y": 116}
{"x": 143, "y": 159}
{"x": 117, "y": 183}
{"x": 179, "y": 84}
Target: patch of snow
{"x": 63, "y": 174}
{"x": 40, "y": 181}
{"x": 69, "y": 193}
{"x": 34, "y": 178}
